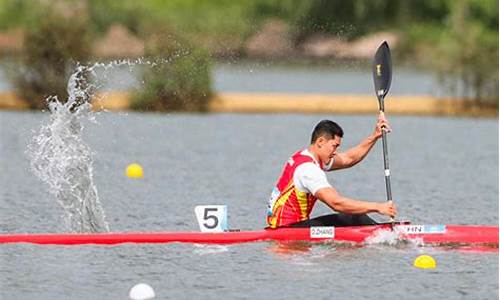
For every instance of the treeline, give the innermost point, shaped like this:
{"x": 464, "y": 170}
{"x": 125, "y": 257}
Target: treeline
{"x": 458, "y": 39}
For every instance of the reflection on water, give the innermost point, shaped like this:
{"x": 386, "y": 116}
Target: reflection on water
{"x": 289, "y": 247}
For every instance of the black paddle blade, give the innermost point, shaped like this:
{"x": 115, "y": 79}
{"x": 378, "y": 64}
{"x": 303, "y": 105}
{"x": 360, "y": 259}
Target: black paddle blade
{"x": 382, "y": 70}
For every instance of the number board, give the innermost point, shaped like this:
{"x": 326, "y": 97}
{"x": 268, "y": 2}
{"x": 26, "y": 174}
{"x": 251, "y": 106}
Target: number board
{"x": 211, "y": 218}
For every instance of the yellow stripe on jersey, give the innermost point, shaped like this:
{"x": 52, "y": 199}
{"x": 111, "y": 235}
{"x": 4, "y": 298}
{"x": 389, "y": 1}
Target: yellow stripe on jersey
{"x": 302, "y": 200}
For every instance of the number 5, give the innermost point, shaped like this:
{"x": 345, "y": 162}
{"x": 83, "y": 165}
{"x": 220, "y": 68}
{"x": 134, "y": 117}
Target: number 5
{"x": 211, "y": 218}
{"x": 208, "y": 217}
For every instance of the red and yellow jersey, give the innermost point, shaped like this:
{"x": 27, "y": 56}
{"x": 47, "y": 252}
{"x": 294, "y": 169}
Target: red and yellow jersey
{"x": 288, "y": 204}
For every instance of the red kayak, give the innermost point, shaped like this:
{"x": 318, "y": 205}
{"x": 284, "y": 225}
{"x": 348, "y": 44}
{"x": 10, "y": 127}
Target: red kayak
{"x": 428, "y": 234}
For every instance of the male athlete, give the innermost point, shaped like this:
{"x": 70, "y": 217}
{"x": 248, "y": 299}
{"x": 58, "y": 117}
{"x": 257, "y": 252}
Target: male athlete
{"x": 303, "y": 181}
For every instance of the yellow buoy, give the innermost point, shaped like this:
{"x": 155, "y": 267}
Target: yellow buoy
{"x": 425, "y": 262}
{"x": 134, "y": 171}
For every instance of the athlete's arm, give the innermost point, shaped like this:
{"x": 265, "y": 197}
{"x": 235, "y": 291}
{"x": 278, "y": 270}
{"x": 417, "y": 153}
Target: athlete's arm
{"x": 356, "y": 154}
{"x": 339, "y": 203}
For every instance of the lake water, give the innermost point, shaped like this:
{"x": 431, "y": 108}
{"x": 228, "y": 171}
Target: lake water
{"x": 444, "y": 171}
{"x": 255, "y": 77}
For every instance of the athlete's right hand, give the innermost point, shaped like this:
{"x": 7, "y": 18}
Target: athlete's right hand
{"x": 387, "y": 208}
{"x": 382, "y": 125}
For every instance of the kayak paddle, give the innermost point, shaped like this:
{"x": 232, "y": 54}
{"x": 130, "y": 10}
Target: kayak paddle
{"x": 382, "y": 75}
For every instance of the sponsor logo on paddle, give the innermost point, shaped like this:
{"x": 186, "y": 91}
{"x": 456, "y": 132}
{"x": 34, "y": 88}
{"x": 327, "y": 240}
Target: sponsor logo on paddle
{"x": 421, "y": 229}
{"x": 322, "y": 232}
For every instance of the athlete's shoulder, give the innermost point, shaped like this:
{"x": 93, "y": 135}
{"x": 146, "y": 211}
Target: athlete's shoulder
{"x": 303, "y": 156}
{"x": 310, "y": 177}
{"x": 309, "y": 168}
{"x": 298, "y": 158}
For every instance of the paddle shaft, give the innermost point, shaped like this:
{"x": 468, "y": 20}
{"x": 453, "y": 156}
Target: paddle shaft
{"x": 387, "y": 170}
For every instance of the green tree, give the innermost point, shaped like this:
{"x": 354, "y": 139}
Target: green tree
{"x": 50, "y": 52}
{"x": 180, "y": 80}
{"x": 467, "y": 52}
{"x": 104, "y": 13}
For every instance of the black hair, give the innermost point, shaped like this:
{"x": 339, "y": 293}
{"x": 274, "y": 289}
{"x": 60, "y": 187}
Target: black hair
{"x": 326, "y": 128}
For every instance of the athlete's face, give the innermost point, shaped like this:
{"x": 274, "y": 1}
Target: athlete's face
{"x": 328, "y": 148}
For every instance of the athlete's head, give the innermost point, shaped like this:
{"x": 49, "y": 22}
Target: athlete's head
{"x": 327, "y": 129}
{"x": 325, "y": 140}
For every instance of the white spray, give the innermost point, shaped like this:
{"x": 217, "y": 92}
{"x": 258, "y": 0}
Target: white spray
{"x": 63, "y": 160}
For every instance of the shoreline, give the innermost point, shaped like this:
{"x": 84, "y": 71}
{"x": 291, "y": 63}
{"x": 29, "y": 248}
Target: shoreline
{"x": 298, "y": 103}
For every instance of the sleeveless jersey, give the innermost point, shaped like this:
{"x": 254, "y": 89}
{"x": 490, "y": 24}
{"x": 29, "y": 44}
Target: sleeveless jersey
{"x": 287, "y": 204}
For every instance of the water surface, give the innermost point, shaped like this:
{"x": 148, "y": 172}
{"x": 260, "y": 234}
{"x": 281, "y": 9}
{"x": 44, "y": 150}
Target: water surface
{"x": 255, "y": 77}
{"x": 444, "y": 170}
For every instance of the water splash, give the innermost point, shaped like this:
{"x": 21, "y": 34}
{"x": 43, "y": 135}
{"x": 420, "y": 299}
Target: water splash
{"x": 391, "y": 238}
{"x": 201, "y": 249}
{"x": 63, "y": 160}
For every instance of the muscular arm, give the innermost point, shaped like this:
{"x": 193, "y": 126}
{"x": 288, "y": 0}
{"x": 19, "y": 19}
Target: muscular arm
{"x": 350, "y": 206}
{"x": 354, "y": 155}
